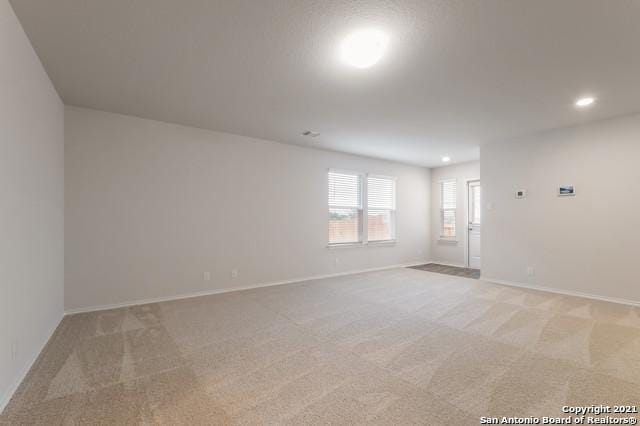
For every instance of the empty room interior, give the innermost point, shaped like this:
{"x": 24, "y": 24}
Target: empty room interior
{"x": 293, "y": 212}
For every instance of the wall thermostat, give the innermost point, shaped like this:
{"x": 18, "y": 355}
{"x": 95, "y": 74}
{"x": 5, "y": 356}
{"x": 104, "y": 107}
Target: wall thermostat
{"x": 521, "y": 193}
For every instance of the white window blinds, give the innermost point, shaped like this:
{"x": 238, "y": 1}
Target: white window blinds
{"x": 352, "y": 199}
{"x": 381, "y": 206}
{"x": 448, "y": 195}
{"x": 345, "y": 207}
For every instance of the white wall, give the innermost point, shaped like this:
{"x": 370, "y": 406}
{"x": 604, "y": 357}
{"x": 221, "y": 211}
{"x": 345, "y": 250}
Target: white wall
{"x": 150, "y": 206}
{"x": 31, "y": 205}
{"x": 451, "y": 252}
{"x": 587, "y": 243}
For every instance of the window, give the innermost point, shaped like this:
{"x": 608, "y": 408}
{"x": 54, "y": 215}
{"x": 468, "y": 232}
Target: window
{"x": 381, "y": 208}
{"x": 448, "y": 209}
{"x": 351, "y": 202}
{"x": 475, "y": 206}
{"x": 345, "y": 207}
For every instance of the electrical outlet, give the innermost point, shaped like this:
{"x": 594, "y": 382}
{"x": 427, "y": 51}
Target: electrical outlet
{"x": 206, "y": 276}
{"x": 234, "y": 273}
{"x": 531, "y": 271}
{"x": 14, "y": 349}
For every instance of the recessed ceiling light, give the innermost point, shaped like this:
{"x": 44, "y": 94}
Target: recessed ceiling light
{"x": 584, "y": 102}
{"x": 446, "y": 159}
{"x": 364, "y": 48}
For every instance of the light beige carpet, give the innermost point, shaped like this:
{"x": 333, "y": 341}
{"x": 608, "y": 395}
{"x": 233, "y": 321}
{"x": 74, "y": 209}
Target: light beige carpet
{"x": 395, "y": 347}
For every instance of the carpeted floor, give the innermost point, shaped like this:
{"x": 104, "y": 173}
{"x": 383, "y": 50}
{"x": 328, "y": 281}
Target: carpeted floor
{"x": 449, "y": 270}
{"x": 394, "y": 347}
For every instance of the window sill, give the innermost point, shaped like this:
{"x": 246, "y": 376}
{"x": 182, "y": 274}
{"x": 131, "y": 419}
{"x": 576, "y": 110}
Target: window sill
{"x": 372, "y": 243}
{"x": 382, "y": 243}
{"x": 447, "y": 241}
{"x": 345, "y": 245}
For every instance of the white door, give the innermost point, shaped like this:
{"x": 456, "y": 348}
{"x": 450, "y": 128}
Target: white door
{"x": 473, "y": 230}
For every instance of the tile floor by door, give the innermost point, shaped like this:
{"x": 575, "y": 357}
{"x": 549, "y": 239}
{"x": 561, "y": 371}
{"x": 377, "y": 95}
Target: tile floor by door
{"x": 449, "y": 270}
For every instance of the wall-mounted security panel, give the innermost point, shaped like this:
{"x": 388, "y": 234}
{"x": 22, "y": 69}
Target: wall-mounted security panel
{"x": 566, "y": 190}
{"x": 521, "y": 193}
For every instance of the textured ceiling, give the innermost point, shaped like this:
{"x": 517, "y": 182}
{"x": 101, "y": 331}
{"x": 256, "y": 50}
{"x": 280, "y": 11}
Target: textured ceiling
{"x": 458, "y": 73}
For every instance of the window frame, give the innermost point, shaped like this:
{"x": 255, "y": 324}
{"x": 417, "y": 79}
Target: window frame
{"x": 359, "y": 210}
{"x": 444, "y": 237}
{"x": 363, "y": 211}
{"x": 392, "y": 211}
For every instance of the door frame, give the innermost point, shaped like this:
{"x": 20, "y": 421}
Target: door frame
{"x": 467, "y": 215}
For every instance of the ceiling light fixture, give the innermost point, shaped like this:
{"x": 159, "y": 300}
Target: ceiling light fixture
{"x": 446, "y": 159}
{"x": 364, "y": 48}
{"x": 585, "y": 101}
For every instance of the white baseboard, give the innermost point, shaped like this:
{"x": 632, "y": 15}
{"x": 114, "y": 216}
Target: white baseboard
{"x": 231, "y": 289}
{"x": 564, "y": 292}
{"x": 8, "y": 394}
